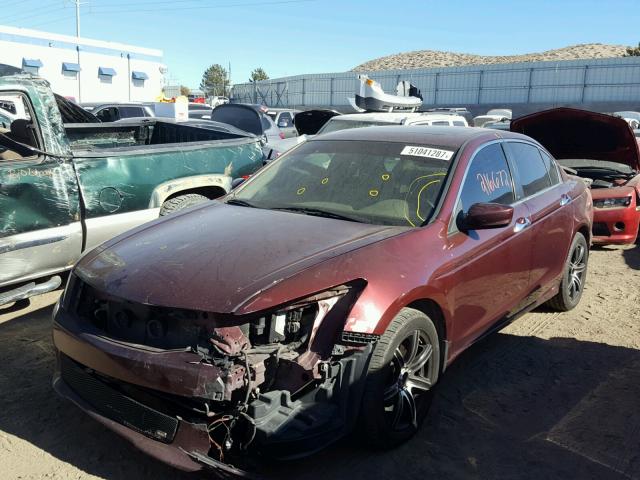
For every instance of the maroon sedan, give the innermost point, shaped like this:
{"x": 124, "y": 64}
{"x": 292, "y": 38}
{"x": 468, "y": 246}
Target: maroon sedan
{"x": 328, "y": 292}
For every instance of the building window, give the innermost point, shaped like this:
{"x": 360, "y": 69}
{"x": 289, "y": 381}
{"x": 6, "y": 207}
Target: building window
{"x": 106, "y": 74}
{"x": 70, "y": 70}
{"x": 31, "y": 65}
{"x": 138, "y": 78}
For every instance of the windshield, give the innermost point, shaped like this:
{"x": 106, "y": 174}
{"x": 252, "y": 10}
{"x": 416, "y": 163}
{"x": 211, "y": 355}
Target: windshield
{"x": 335, "y": 125}
{"x": 381, "y": 183}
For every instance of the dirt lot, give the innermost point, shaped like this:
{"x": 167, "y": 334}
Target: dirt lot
{"x": 552, "y": 396}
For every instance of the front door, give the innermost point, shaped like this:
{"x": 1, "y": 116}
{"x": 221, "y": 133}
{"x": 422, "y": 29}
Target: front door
{"x": 489, "y": 278}
{"x": 40, "y": 231}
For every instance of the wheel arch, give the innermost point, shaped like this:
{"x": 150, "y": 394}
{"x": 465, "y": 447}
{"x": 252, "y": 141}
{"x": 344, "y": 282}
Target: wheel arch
{"x": 210, "y": 185}
{"x": 432, "y": 309}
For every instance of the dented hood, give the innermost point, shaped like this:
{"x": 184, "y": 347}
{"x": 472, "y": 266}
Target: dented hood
{"x": 219, "y": 257}
{"x": 576, "y": 134}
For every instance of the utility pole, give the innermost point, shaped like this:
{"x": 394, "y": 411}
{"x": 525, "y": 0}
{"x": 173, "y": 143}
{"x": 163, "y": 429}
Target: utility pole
{"x": 77, "y": 18}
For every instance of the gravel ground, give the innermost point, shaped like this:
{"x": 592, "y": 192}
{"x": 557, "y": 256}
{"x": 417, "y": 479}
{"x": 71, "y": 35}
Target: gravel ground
{"x": 552, "y": 396}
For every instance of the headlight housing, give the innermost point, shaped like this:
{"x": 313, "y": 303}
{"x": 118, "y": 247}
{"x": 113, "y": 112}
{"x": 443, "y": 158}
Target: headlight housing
{"x": 612, "y": 202}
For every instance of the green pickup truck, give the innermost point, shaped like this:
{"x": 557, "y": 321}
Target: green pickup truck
{"x": 67, "y": 187}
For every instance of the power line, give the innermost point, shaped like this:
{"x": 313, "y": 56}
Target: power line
{"x": 95, "y": 10}
{"x": 25, "y": 16}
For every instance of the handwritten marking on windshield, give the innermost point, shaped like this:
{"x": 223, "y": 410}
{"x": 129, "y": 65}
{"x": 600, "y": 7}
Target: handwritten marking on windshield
{"x": 373, "y": 193}
{"x": 301, "y": 190}
{"x": 385, "y": 177}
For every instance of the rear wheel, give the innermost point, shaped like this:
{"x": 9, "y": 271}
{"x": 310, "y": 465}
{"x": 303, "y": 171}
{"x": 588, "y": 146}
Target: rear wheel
{"x": 398, "y": 390}
{"x": 180, "y": 202}
{"x": 574, "y": 276}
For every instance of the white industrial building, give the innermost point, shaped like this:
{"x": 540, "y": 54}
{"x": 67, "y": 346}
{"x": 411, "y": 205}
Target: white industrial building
{"x": 83, "y": 69}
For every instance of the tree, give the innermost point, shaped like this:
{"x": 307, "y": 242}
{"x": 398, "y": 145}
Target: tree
{"x": 633, "y": 51}
{"x": 215, "y": 80}
{"x": 258, "y": 74}
{"x": 185, "y": 90}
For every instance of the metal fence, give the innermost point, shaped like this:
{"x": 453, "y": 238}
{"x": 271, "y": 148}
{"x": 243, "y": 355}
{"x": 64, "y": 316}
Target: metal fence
{"x": 571, "y": 82}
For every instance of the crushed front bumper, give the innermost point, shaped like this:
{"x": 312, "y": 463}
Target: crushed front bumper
{"x": 89, "y": 366}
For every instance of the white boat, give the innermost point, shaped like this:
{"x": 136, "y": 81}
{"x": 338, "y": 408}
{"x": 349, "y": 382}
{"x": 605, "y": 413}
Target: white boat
{"x": 372, "y": 98}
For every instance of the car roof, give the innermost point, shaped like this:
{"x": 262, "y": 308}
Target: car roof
{"x": 393, "y": 117}
{"x": 451, "y": 137}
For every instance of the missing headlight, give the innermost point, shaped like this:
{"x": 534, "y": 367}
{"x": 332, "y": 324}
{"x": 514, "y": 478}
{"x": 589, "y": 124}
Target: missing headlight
{"x": 285, "y": 326}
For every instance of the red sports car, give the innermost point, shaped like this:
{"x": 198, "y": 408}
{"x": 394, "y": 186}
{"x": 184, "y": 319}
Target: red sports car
{"x": 602, "y": 149}
{"x": 335, "y": 285}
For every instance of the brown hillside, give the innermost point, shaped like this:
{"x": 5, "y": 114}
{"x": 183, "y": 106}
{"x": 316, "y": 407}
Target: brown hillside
{"x": 432, "y": 58}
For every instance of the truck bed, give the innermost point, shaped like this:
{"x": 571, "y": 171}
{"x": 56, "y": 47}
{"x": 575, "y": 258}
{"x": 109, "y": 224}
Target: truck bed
{"x": 147, "y": 132}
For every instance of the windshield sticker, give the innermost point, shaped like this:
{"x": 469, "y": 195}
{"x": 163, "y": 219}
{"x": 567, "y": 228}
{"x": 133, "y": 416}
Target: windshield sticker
{"x": 427, "y": 152}
{"x": 492, "y": 181}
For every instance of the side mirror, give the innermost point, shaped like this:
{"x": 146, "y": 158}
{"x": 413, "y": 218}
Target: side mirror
{"x": 487, "y": 215}
{"x": 236, "y": 182}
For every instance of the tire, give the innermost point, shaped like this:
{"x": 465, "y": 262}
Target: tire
{"x": 387, "y": 417}
{"x": 181, "y": 201}
{"x": 573, "y": 276}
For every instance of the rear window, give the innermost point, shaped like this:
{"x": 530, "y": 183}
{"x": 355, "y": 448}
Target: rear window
{"x": 336, "y": 125}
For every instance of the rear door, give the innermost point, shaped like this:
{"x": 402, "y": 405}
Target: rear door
{"x": 538, "y": 186}
{"x": 489, "y": 271}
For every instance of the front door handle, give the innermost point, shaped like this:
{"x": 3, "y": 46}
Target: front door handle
{"x": 521, "y": 224}
{"x": 564, "y": 199}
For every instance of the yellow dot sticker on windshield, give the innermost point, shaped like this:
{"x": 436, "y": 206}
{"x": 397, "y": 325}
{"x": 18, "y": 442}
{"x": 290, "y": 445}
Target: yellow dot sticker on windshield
{"x": 324, "y": 181}
{"x": 301, "y": 190}
{"x": 373, "y": 193}
{"x": 385, "y": 176}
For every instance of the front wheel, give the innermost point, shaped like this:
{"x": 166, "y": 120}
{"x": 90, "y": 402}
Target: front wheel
{"x": 573, "y": 276}
{"x": 404, "y": 368}
{"x": 180, "y": 202}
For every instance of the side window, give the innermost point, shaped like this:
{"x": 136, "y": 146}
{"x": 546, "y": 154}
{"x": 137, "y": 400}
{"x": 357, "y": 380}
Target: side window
{"x": 108, "y": 114}
{"x": 531, "y": 172}
{"x": 130, "y": 112}
{"x": 488, "y": 179}
{"x": 552, "y": 167}
{"x": 17, "y": 127}
{"x": 441, "y": 123}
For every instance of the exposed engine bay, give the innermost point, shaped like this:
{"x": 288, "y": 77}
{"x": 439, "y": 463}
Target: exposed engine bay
{"x": 600, "y": 174}
{"x": 275, "y": 381}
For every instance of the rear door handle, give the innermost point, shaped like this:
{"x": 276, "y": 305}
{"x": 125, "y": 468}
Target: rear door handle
{"x": 564, "y": 199}
{"x": 521, "y": 224}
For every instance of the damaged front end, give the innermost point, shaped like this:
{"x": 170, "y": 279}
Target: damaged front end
{"x": 221, "y": 389}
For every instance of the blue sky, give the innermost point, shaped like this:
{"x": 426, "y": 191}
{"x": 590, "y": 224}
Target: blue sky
{"x": 290, "y": 37}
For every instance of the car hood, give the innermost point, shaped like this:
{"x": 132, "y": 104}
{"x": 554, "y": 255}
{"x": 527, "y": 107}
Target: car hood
{"x": 218, "y": 257}
{"x": 571, "y": 133}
